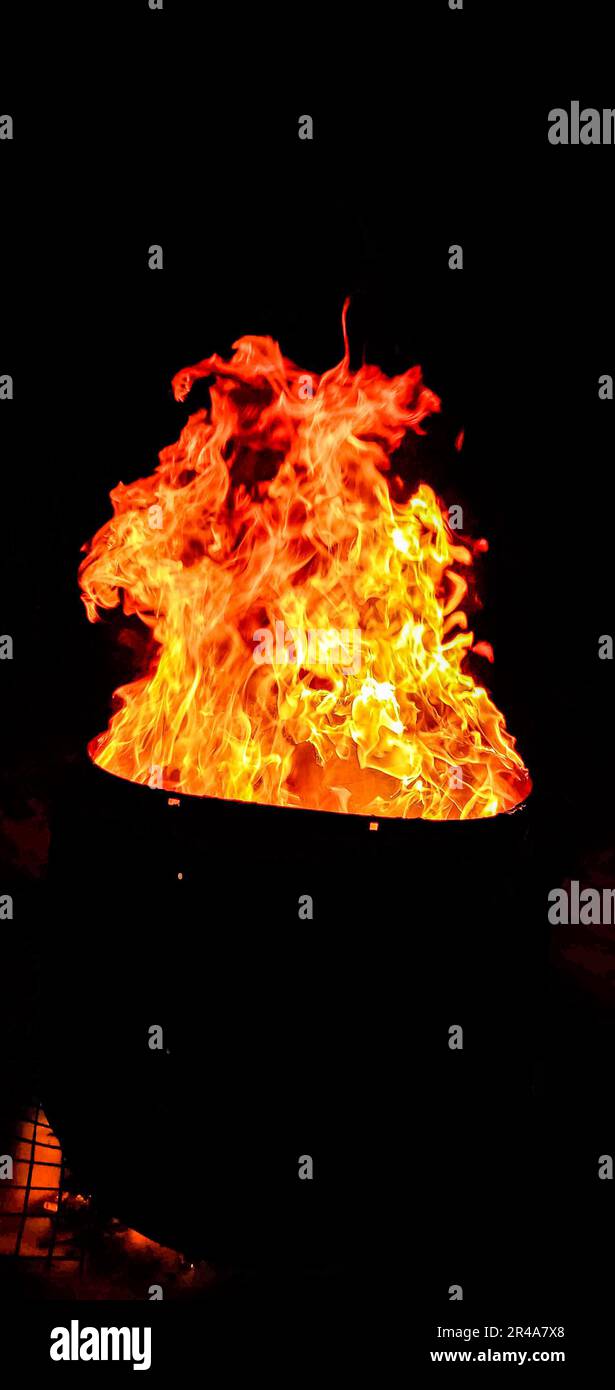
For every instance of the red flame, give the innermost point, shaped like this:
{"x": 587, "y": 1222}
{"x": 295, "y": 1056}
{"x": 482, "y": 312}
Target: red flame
{"x": 305, "y": 605}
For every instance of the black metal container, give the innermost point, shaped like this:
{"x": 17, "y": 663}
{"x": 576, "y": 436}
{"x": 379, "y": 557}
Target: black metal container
{"x": 290, "y": 1027}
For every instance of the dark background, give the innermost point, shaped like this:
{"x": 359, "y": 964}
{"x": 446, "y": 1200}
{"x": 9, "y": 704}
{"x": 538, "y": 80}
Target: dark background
{"x": 170, "y": 131}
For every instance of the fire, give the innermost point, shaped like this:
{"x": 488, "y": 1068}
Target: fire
{"x": 307, "y": 636}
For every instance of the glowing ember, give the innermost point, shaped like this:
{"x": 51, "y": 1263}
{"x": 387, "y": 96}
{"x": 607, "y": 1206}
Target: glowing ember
{"x": 308, "y": 640}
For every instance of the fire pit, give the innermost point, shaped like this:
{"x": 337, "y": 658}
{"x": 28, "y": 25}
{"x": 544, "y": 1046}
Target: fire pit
{"x": 305, "y": 819}
{"x": 304, "y": 968}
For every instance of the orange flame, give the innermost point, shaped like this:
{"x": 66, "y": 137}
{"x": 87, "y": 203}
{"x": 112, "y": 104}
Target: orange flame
{"x": 272, "y": 518}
